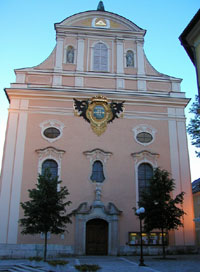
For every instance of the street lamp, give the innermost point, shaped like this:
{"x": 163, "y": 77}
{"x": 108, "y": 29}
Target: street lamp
{"x": 140, "y": 212}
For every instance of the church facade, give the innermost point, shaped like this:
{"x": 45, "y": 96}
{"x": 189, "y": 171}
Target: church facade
{"x": 101, "y": 117}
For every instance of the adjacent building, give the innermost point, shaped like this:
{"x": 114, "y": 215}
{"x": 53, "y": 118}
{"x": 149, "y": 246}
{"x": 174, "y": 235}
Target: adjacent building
{"x": 190, "y": 40}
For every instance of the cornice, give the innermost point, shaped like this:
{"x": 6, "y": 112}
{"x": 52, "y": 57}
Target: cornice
{"x": 86, "y": 31}
{"x": 153, "y": 99}
{"x": 160, "y": 78}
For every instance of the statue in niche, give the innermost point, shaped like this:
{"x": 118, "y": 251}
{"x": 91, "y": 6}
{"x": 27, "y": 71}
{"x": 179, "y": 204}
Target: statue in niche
{"x": 70, "y": 54}
{"x": 129, "y": 59}
{"x": 98, "y": 193}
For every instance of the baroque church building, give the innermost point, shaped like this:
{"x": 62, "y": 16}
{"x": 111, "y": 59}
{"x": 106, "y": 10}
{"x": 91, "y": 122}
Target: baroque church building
{"x": 100, "y": 117}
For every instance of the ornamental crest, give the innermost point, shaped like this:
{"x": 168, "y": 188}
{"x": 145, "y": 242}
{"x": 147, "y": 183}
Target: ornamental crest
{"x": 98, "y": 112}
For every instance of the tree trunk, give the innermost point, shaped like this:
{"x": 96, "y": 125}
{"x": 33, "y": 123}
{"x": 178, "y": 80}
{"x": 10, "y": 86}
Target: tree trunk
{"x": 45, "y": 246}
{"x": 163, "y": 244}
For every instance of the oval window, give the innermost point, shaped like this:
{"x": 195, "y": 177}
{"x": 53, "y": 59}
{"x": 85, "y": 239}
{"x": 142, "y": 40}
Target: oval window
{"x": 144, "y": 137}
{"x": 51, "y": 132}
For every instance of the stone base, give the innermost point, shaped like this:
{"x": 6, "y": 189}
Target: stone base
{"x": 24, "y": 251}
{"x": 157, "y": 250}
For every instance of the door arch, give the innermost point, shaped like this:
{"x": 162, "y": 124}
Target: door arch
{"x": 97, "y": 237}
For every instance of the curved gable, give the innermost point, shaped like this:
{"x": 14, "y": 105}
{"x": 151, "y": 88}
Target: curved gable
{"x": 98, "y": 19}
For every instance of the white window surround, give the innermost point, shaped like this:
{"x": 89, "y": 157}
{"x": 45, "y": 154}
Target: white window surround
{"x": 51, "y": 123}
{"x": 65, "y": 53}
{"x": 144, "y": 128}
{"x": 97, "y": 155}
{"x": 134, "y": 55}
{"x": 50, "y": 153}
{"x": 107, "y": 23}
{"x": 143, "y": 156}
{"x": 92, "y": 56}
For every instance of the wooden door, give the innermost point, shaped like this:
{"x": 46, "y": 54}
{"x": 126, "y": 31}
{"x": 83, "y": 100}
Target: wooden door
{"x": 97, "y": 237}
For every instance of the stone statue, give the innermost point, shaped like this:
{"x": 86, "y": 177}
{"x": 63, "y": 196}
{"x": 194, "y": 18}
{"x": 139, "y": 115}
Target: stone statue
{"x": 129, "y": 59}
{"x": 70, "y": 54}
{"x": 98, "y": 193}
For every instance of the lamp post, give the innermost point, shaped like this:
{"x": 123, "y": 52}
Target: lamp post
{"x": 140, "y": 212}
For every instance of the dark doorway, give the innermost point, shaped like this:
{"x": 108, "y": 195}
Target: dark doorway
{"x": 97, "y": 237}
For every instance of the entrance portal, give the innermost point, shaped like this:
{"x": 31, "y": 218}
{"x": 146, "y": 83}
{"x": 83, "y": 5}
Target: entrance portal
{"x": 97, "y": 237}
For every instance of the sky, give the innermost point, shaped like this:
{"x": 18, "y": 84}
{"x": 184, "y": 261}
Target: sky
{"x": 27, "y": 38}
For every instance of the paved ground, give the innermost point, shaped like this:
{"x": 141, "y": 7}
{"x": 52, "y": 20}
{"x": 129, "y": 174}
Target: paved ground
{"x": 182, "y": 263}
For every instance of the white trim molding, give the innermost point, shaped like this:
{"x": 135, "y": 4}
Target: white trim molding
{"x": 97, "y": 155}
{"x": 12, "y": 171}
{"x": 140, "y": 157}
{"x": 120, "y": 59}
{"x": 59, "y": 53}
{"x": 52, "y": 123}
{"x": 80, "y": 54}
{"x": 51, "y": 153}
{"x": 144, "y": 128}
{"x": 92, "y": 56}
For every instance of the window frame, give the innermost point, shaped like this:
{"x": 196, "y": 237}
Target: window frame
{"x": 97, "y": 155}
{"x": 93, "y": 55}
{"x": 49, "y": 160}
{"x": 145, "y": 179}
{"x": 51, "y": 124}
{"x": 144, "y": 128}
{"x": 140, "y": 157}
{"x": 94, "y": 172}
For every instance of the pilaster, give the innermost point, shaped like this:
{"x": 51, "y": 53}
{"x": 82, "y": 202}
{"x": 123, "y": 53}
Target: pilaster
{"x": 80, "y": 54}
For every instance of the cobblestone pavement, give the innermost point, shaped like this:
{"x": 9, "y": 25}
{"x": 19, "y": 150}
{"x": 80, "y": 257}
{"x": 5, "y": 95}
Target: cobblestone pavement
{"x": 182, "y": 263}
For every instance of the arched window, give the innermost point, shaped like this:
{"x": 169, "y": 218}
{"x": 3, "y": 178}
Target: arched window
{"x": 145, "y": 173}
{"x": 97, "y": 172}
{"x": 100, "y": 57}
{"x": 53, "y": 167}
{"x": 70, "y": 54}
{"x": 129, "y": 58}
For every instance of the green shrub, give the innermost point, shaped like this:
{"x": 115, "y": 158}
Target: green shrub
{"x": 57, "y": 262}
{"x": 37, "y": 259}
{"x": 87, "y": 267}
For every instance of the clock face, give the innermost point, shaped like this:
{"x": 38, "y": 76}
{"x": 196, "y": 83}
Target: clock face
{"x": 99, "y": 112}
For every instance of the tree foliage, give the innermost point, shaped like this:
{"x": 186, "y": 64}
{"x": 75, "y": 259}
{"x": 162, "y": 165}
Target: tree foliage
{"x": 46, "y": 210}
{"x": 194, "y": 125}
{"x": 162, "y": 211}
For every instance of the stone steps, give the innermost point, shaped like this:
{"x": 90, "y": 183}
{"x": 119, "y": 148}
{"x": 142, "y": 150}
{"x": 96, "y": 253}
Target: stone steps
{"x": 21, "y": 268}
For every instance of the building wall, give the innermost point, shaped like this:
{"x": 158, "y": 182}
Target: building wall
{"x": 44, "y": 94}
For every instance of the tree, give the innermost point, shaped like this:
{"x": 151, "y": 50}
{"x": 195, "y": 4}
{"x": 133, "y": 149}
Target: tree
{"x": 161, "y": 210}
{"x": 46, "y": 210}
{"x": 194, "y": 125}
